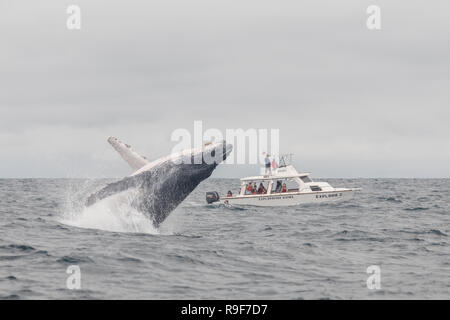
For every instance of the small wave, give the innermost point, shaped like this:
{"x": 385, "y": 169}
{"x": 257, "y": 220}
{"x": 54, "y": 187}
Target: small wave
{"x": 192, "y": 204}
{"x": 420, "y": 232}
{"x": 370, "y": 239}
{"x": 416, "y": 209}
{"x": 19, "y": 251}
{"x": 342, "y": 205}
{"x": 224, "y": 206}
{"x": 390, "y": 199}
{"x": 20, "y": 247}
{"x": 129, "y": 259}
{"x": 185, "y": 259}
{"x": 308, "y": 244}
{"x": 43, "y": 252}
{"x": 9, "y": 258}
{"x": 437, "y": 232}
{"x": 231, "y": 207}
{"x": 11, "y": 297}
{"x": 74, "y": 259}
{"x": 192, "y": 236}
{"x": 60, "y": 227}
{"x": 356, "y": 235}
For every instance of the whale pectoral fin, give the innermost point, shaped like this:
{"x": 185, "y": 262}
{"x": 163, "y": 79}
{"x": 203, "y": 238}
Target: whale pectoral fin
{"x": 135, "y": 160}
{"x": 111, "y": 189}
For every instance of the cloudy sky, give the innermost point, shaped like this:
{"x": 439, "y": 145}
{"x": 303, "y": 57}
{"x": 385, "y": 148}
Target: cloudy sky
{"x": 349, "y": 102}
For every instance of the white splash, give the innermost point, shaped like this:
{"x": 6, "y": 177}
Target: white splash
{"x": 114, "y": 213}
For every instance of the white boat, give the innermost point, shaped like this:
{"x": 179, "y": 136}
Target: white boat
{"x": 302, "y": 190}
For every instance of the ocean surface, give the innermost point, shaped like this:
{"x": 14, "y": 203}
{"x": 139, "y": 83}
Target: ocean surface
{"x": 319, "y": 251}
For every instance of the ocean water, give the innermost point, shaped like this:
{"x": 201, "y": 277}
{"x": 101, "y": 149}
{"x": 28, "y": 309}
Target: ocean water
{"x": 206, "y": 252}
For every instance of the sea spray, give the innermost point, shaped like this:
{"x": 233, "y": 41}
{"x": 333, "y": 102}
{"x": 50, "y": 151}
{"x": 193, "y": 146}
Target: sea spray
{"x": 114, "y": 213}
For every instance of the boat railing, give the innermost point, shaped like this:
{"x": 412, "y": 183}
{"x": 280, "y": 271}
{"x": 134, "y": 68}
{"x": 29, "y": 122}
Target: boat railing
{"x": 285, "y": 159}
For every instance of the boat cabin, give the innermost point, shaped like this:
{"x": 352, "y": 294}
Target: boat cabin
{"x": 273, "y": 184}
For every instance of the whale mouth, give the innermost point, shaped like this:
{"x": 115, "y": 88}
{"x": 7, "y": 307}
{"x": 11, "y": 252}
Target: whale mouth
{"x": 216, "y": 153}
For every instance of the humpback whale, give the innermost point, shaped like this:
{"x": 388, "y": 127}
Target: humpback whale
{"x": 158, "y": 187}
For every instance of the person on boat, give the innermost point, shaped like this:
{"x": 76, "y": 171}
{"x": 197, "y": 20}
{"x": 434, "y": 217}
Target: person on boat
{"x": 249, "y": 189}
{"x": 284, "y": 189}
{"x": 255, "y": 189}
{"x": 261, "y": 189}
{"x": 267, "y": 163}
{"x": 279, "y": 186}
{"x": 274, "y": 164}
{"x": 229, "y": 194}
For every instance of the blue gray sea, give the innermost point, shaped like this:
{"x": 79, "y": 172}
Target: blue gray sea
{"x": 319, "y": 251}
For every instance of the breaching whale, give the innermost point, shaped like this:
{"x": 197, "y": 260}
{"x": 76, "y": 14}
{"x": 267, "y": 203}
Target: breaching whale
{"x": 158, "y": 187}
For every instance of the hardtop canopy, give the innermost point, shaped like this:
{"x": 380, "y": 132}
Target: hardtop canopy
{"x": 274, "y": 177}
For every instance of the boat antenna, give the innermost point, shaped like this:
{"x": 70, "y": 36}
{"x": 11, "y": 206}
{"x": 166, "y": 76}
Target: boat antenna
{"x": 286, "y": 159}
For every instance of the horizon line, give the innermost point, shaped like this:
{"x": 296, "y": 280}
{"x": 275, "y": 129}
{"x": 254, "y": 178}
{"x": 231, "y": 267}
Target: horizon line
{"x": 234, "y": 178}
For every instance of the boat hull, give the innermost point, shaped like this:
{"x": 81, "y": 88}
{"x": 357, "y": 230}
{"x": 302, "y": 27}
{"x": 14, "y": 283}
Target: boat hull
{"x": 289, "y": 198}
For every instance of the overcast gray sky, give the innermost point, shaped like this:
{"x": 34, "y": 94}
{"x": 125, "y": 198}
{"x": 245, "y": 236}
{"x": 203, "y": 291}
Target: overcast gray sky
{"x": 349, "y": 102}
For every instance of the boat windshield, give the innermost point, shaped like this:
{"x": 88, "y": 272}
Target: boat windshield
{"x": 306, "y": 179}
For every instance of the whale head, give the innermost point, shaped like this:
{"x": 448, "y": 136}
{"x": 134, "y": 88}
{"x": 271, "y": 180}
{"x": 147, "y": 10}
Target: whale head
{"x": 178, "y": 178}
{"x": 205, "y": 158}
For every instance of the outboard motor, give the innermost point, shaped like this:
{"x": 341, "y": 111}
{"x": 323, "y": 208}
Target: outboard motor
{"x": 212, "y": 196}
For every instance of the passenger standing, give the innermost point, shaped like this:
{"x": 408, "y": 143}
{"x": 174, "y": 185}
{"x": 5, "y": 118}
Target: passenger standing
{"x": 267, "y": 163}
{"x": 274, "y": 164}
